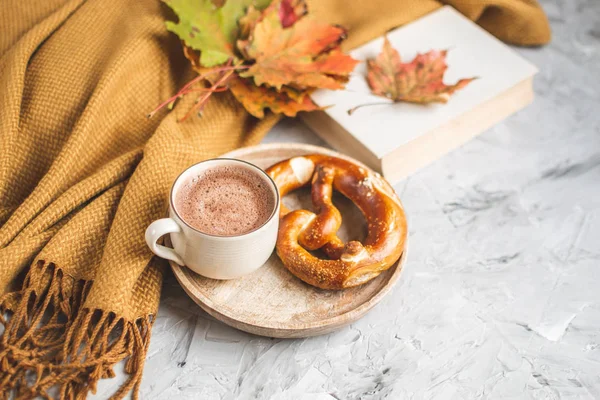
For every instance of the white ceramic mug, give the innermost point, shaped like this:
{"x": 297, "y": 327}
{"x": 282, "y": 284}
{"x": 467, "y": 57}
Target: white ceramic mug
{"x": 217, "y": 257}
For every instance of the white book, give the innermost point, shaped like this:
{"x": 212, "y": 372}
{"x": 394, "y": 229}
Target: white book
{"x": 396, "y": 139}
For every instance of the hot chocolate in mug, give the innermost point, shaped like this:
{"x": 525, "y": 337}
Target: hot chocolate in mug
{"x": 194, "y": 200}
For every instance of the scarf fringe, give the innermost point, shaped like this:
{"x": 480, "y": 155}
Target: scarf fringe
{"x": 52, "y": 346}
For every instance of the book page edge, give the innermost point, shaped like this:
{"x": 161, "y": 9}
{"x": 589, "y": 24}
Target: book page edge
{"x": 448, "y": 137}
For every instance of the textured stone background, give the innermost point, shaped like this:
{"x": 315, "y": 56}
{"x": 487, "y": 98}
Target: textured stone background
{"x": 500, "y": 297}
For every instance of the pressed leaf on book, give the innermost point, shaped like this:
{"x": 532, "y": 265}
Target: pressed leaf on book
{"x": 419, "y": 81}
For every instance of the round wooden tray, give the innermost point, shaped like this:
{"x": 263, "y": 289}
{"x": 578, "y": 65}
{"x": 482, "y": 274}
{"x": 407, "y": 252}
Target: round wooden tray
{"x": 271, "y": 301}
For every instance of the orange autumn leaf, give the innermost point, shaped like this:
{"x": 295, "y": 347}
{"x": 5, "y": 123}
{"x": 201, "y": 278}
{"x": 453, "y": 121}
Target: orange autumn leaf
{"x": 289, "y": 12}
{"x": 295, "y": 94}
{"x": 420, "y": 81}
{"x": 256, "y": 99}
{"x": 299, "y": 54}
{"x": 269, "y": 53}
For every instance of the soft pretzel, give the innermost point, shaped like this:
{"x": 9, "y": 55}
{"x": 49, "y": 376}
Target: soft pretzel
{"x": 350, "y": 264}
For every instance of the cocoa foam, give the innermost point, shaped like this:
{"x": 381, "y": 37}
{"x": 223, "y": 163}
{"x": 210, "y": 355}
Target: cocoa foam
{"x": 225, "y": 201}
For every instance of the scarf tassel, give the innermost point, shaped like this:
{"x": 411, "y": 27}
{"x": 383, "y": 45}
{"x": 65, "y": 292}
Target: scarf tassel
{"x": 53, "y": 345}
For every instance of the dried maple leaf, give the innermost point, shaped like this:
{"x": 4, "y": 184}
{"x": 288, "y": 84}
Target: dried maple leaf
{"x": 208, "y": 28}
{"x": 256, "y": 99}
{"x": 420, "y": 81}
{"x": 279, "y": 58}
{"x": 298, "y": 55}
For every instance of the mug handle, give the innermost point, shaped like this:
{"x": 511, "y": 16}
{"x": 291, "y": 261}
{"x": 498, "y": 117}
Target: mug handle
{"x": 157, "y": 229}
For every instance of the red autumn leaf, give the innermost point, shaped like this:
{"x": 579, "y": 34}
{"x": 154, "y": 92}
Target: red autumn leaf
{"x": 299, "y": 55}
{"x": 420, "y": 81}
{"x": 290, "y": 11}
